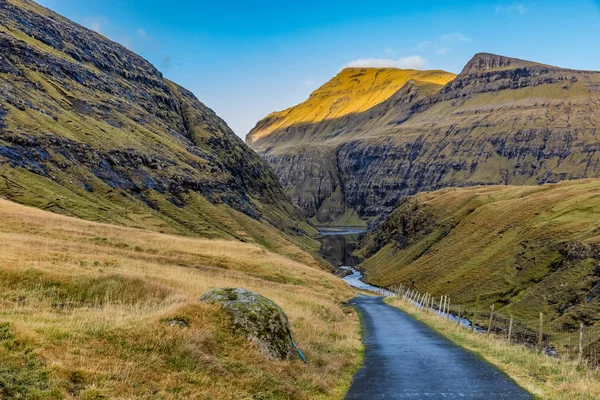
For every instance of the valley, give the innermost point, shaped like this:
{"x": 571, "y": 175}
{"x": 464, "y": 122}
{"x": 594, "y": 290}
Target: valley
{"x": 404, "y": 232}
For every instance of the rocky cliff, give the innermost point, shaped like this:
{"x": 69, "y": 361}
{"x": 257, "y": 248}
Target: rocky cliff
{"x": 500, "y": 121}
{"x": 90, "y": 129}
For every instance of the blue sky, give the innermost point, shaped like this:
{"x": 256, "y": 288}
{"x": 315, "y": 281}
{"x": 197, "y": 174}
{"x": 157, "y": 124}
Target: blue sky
{"x": 245, "y": 59}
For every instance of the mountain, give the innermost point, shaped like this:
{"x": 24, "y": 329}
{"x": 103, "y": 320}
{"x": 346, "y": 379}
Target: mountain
{"x": 528, "y": 249}
{"x": 92, "y": 130}
{"x": 352, "y": 91}
{"x": 500, "y": 121}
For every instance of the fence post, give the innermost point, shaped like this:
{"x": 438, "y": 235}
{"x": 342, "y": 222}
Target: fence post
{"x": 491, "y": 318}
{"x": 444, "y": 308}
{"x": 475, "y": 314}
{"x": 448, "y": 309}
{"x": 580, "y": 357}
{"x": 510, "y": 328}
{"x": 541, "y": 339}
{"x": 458, "y": 317}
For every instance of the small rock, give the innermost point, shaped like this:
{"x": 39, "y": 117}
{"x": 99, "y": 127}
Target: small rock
{"x": 177, "y": 322}
{"x": 262, "y": 321}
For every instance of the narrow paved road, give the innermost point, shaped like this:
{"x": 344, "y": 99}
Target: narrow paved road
{"x": 405, "y": 359}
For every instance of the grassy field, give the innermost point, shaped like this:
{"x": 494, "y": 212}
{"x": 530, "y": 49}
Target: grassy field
{"x": 84, "y": 312}
{"x": 546, "y": 377}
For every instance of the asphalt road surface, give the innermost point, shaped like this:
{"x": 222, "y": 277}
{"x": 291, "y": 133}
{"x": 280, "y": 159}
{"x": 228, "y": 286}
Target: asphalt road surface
{"x": 405, "y": 359}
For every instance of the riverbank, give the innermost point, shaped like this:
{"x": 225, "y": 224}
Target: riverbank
{"x": 546, "y": 377}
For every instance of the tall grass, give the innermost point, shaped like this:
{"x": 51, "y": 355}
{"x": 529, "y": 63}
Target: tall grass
{"x": 91, "y": 304}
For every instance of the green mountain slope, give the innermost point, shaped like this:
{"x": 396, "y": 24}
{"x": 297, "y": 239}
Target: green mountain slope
{"x": 526, "y": 248}
{"x": 89, "y": 129}
{"x": 500, "y": 121}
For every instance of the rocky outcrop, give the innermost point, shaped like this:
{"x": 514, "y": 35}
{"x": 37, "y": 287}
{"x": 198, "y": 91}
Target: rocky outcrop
{"x": 261, "y": 320}
{"x": 500, "y": 121}
{"x": 90, "y": 129}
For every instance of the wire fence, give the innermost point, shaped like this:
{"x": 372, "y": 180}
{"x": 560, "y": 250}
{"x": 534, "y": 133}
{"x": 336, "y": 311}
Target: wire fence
{"x": 576, "y": 341}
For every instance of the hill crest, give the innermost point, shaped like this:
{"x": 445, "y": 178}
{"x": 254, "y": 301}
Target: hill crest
{"x": 353, "y": 90}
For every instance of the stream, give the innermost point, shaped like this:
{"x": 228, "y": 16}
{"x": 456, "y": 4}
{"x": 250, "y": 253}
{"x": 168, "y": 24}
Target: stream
{"x": 338, "y": 244}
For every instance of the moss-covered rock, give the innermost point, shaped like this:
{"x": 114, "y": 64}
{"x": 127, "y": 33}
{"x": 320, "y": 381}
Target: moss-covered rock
{"x": 262, "y": 321}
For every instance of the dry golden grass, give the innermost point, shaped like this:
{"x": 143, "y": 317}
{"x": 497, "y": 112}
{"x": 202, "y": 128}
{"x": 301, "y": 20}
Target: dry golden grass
{"x": 87, "y": 303}
{"x": 546, "y": 377}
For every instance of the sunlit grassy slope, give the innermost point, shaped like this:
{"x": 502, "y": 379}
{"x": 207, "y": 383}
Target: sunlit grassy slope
{"x": 527, "y": 249}
{"x": 353, "y": 90}
{"x": 84, "y": 309}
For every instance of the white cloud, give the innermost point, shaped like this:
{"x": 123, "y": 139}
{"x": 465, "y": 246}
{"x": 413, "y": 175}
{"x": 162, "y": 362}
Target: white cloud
{"x": 443, "y": 44}
{"x": 426, "y": 45}
{"x": 99, "y": 24}
{"x": 513, "y": 9}
{"x": 454, "y": 38}
{"x": 142, "y": 32}
{"x": 410, "y": 62}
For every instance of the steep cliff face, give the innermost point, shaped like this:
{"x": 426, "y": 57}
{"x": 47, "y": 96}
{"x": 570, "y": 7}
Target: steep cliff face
{"x": 90, "y": 129}
{"x": 500, "y": 121}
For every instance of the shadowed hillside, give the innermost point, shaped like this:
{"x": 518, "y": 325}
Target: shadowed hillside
{"x": 90, "y": 129}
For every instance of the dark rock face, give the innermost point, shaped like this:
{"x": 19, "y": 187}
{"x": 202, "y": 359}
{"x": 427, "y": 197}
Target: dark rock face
{"x": 91, "y": 116}
{"x": 501, "y": 121}
{"x": 262, "y": 321}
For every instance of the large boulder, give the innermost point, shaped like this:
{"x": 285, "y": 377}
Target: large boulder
{"x": 262, "y": 321}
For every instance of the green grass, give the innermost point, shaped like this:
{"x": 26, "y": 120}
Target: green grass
{"x": 529, "y": 249}
{"x": 23, "y": 373}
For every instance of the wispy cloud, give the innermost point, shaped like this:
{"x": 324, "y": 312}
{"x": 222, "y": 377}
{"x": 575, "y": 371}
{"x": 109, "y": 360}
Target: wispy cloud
{"x": 99, "y": 24}
{"x": 454, "y": 38}
{"x": 142, "y": 33}
{"x": 426, "y": 45}
{"x": 443, "y": 44}
{"x": 513, "y": 9}
{"x": 410, "y": 62}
